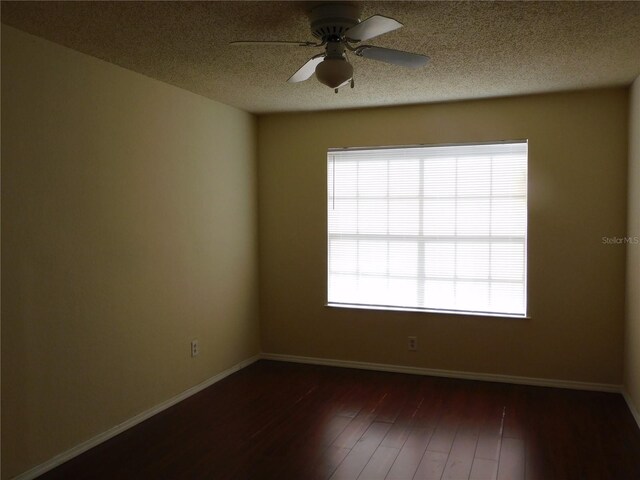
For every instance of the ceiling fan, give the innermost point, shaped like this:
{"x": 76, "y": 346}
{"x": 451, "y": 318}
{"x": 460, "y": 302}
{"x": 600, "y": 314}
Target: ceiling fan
{"x": 339, "y": 30}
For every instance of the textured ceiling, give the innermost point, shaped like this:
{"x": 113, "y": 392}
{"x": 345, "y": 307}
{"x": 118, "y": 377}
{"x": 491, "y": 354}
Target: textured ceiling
{"x": 478, "y": 49}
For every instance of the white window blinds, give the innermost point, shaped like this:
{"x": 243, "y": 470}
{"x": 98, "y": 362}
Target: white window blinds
{"x": 433, "y": 228}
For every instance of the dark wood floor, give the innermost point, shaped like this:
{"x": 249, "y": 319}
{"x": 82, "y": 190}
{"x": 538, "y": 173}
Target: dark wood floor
{"x": 285, "y": 421}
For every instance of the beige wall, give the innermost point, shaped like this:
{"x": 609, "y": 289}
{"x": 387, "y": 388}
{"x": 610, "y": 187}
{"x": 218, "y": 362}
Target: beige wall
{"x": 129, "y": 228}
{"x": 577, "y": 171}
{"x": 632, "y": 333}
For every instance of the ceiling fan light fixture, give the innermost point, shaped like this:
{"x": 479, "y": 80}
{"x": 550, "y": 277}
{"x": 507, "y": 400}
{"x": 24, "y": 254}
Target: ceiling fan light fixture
{"x": 334, "y": 72}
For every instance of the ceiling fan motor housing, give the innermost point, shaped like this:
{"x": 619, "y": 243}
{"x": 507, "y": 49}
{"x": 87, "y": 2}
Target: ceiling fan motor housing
{"x": 330, "y": 21}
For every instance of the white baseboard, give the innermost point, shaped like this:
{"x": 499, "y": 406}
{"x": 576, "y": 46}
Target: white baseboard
{"x": 486, "y": 377}
{"x": 631, "y": 406}
{"x": 141, "y": 417}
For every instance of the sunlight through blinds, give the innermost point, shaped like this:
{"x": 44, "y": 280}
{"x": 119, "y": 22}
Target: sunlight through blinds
{"x": 432, "y": 228}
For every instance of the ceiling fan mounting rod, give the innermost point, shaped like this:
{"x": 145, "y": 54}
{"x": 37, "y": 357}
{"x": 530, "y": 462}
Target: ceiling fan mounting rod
{"x": 335, "y": 49}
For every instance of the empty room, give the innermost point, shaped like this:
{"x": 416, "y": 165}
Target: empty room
{"x": 320, "y": 240}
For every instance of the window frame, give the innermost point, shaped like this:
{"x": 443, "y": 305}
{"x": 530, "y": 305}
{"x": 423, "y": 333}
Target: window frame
{"x": 430, "y": 310}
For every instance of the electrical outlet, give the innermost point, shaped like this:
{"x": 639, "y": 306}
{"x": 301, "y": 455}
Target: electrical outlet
{"x": 412, "y": 343}
{"x": 195, "y": 348}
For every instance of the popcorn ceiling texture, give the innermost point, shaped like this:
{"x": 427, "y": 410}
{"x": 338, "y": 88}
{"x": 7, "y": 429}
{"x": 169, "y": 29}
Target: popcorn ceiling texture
{"x": 478, "y": 49}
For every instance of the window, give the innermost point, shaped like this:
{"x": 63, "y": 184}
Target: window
{"x": 437, "y": 228}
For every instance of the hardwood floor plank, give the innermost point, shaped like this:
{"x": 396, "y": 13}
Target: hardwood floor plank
{"x": 483, "y": 469}
{"x": 398, "y": 393}
{"x": 331, "y": 459}
{"x": 354, "y": 430}
{"x": 442, "y": 439}
{"x": 366, "y": 415}
{"x": 410, "y": 454}
{"x": 360, "y": 454}
{"x": 434, "y": 404}
{"x": 396, "y": 436}
{"x": 461, "y": 456}
{"x": 452, "y": 415}
{"x": 511, "y": 463}
{"x": 379, "y": 464}
{"x": 488, "y": 447}
{"x": 431, "y": 466}
{"x": 415, "y": 399}
{"x": 514, "y": 418}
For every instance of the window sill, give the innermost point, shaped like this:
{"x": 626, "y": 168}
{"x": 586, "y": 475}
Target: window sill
{"x": 428, "y": 311}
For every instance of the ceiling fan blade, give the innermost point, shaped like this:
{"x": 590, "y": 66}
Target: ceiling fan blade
{"x": 307, "y": 69}
{"x": 267, "y": 42}
{"x": 396, "y": 57}
{"x": 372, "y": 27}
